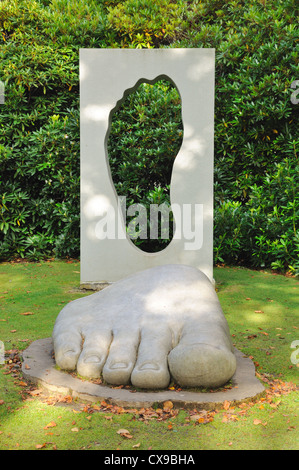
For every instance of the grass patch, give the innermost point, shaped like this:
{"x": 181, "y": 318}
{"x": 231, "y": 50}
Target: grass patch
{"x": 262, "y": 312}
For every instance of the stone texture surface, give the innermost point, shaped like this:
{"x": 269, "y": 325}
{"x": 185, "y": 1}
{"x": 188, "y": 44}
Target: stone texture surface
{"x": 39, "y": 367}
{"x": 162, "y": 322}
{"x": 192, "y": 70}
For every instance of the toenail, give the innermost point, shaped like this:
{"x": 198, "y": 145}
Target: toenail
{"x": 119, "y": 365}
{"x": 93, "y": 359}
{"x": 149, "y": 366}
{"x": 69, "y": 352}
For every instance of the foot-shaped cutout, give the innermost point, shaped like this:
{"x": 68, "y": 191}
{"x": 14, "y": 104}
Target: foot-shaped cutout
{"x": 160, "y": 323}
{"x": 145, "y": 136}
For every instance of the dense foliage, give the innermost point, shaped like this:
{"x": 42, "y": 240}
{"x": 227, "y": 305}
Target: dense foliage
{"x": 145, "y": 137}
{"x": 256, "y": 136}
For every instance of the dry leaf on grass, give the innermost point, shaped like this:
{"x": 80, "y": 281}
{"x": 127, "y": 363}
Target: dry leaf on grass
{"x": 226, "y": 404}
{"x": 124, "y": 433}
{"x": 40, "y": 446}
{"x": 52, "y": 424}
{"x": 167, "y": 406}
{"x": 259, "y": 421}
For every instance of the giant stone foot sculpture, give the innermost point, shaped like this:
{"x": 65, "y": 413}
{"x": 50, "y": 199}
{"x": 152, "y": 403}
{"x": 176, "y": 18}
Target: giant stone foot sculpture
{"x": 159, "y": 323}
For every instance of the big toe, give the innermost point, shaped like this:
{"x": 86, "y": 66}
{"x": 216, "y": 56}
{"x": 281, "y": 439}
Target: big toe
{"x": 201, "y": 365}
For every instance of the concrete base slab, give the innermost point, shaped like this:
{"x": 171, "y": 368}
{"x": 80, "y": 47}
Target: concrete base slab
{"x": 39, "y": 367}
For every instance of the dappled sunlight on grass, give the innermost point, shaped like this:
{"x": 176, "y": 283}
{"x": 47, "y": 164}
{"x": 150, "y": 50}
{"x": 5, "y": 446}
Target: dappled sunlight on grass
{"x": 32, "y": 295}
{"x": 263, "y": 315}
{"x": 262, "y": 312}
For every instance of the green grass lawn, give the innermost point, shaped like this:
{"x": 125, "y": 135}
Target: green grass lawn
{"x": 262, "y": 311}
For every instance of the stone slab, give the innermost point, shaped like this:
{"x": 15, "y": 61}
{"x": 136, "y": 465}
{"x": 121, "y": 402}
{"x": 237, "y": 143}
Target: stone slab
{"x": 39, "y": 367}
{"x": 106, "y": 76}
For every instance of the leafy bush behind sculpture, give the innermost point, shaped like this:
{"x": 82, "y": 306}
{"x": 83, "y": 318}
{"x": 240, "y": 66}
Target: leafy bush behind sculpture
{"x": 256, "y": 164}
{"x": 145, "y": 136}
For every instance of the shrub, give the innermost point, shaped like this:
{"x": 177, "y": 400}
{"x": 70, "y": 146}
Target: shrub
{"x": 146, "y": 23}
{"x": 263, "y": 232}
{"x": 256, "y": 63}
{"x": 256, "y": 212}
{"x": 145, "y": 137}
{"x": 39, "y": 137}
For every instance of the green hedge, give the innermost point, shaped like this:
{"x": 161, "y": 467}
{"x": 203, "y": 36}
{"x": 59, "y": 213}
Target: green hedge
{"x": 145, "y": 137}
{"x": 256, "y": 164}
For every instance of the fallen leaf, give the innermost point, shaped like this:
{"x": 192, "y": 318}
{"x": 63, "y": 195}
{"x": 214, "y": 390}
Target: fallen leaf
{"x": 124, "y": 433}
{"x": 67, "y": 399}
{"x": 291, "y": 428}
{"x": 52, "y": 424}
{"x": 226, "y": 404}
{"x": 201, "y": 420}
{"x": 23, "y": 384}
{"x": 1, "y": 402}
{"x": 167, "y": 405}
{"x": 257, "y": 421}
{"x": 75, "y": 430}
{"x": 195, "y": 417}
{"x": 136, "y": 445}
{"x": 35, "y": 392}
{"x": 40, "y": 446}
{"x": 27, "y": 313}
